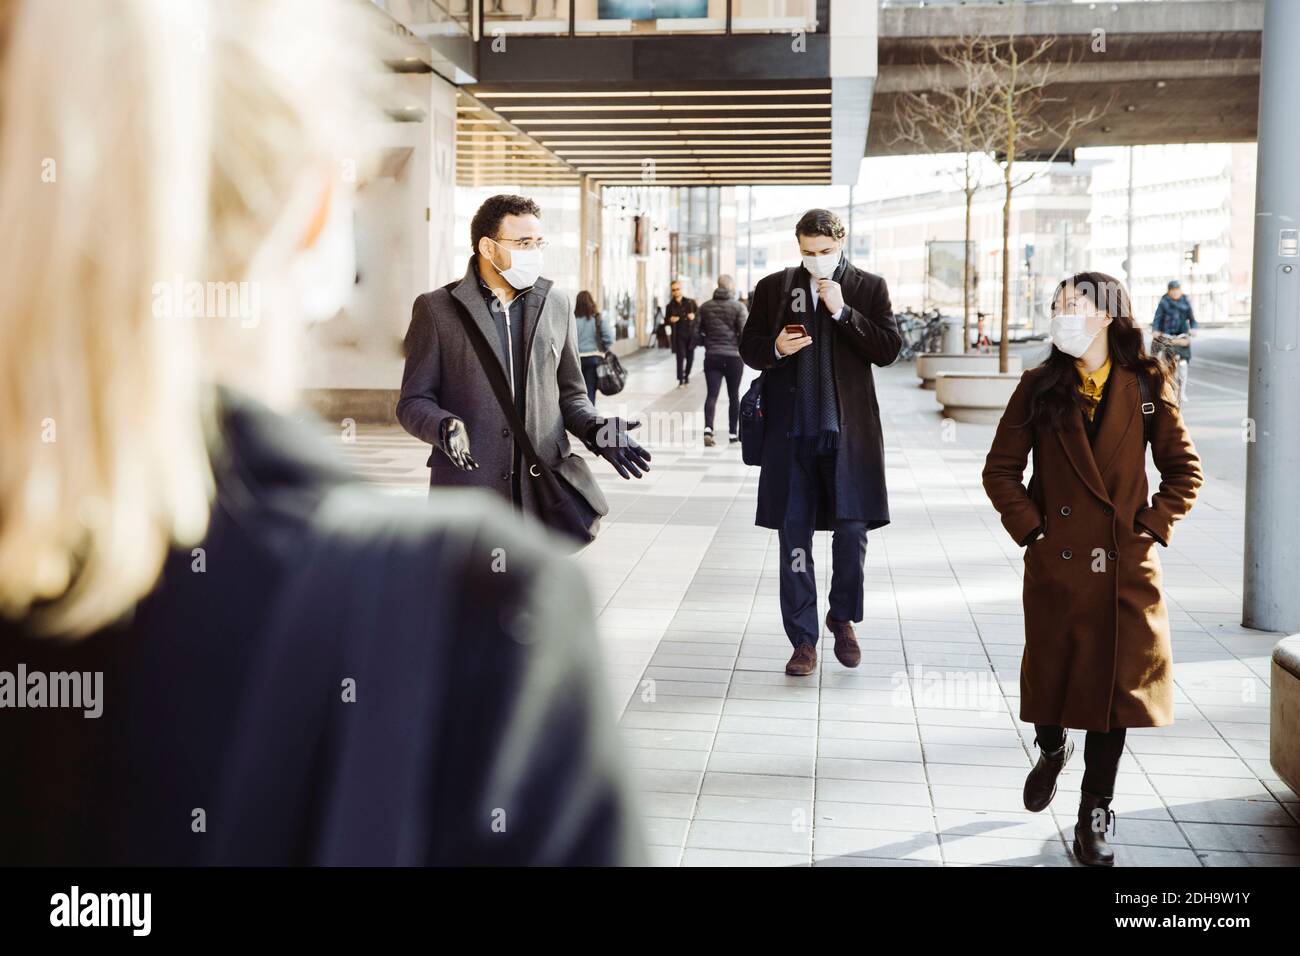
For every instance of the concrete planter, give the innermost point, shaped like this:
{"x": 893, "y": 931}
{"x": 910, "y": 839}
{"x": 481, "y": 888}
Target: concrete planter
{"x": 1284, "y": 711}
{"x": 976, "y": 397}
{"x": 928, "y": 366}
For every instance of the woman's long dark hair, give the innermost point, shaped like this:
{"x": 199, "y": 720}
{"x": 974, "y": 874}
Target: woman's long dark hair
{"x": 1056, "y": 395}
{"x": 584, "y": 306}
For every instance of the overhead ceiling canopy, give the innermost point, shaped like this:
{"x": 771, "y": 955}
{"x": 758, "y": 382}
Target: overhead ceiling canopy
{"x": 492, "y": 151}
{"x": 714, "y": 134}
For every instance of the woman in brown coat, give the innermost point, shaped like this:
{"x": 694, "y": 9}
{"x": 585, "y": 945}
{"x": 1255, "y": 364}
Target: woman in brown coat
{"x": 1097, "y": 652}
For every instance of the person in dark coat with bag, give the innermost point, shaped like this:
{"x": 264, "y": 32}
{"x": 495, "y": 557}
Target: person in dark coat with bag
{"x": 823, "y": 459}
{"x": 1097, "y": 649}
{"x": 447, "y": 400}
{"x": 721, "y": 324}
{"x": 595, "y": 334}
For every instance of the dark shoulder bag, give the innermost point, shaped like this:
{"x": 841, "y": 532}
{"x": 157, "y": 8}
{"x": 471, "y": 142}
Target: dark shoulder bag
{"x": 559, "y": 505}
{"x": 751, "y": 406}
{"x": 611, "y": 377}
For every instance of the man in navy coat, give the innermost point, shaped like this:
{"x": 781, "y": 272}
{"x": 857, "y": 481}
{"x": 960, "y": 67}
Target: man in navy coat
{"x": 815, "y": 331}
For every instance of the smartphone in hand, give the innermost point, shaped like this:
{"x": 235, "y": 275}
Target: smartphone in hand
{"x": 796, "y": 330}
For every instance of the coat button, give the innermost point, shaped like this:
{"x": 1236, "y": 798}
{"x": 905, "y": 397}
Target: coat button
{"x": 1108, "y": 511}
{"x": 1065, "y": 510}
{"x": 1067, "y": 554}
{"x": 505, "y": 476}
{"x": 1113, "y": 555}
{"x": 505, "y": 433}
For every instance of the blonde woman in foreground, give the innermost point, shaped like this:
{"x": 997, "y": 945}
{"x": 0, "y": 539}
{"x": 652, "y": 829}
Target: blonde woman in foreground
{"x": 216, "y": 646}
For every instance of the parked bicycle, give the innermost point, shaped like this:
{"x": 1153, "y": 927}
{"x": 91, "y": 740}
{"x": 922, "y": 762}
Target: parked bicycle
{"x": 932, "y": 334}
{"x": 921, "y": 332}
{"x": 910, "y": 329}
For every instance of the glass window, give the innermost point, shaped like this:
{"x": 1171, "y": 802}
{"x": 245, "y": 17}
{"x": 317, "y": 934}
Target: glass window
{"x": 650, "y": 16}
{"x": 433, "y": 17}
{"x": 773, "y": 16}
{"x": 525, "y": 16}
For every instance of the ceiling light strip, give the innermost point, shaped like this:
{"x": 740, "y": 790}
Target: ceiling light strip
{"x": 650, "y": 94}
{"x": 638, "y": 108}
{"x": 528, "y": 121}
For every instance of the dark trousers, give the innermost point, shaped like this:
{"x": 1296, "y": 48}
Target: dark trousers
{"x": 589, "y": 365}
{"x": 1101, "y": 753}
{"x": 812, "y": 481}
{"x": 684, "y": 347}
{"x": 716, "y": 368}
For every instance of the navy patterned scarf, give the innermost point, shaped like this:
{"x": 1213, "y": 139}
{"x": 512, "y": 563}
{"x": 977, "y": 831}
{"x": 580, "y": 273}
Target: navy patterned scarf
{"x": 816, "y": 407}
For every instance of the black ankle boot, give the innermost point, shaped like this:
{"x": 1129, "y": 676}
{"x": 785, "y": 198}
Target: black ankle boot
{"x": 1095, "y": 816}
{"x": 1040, "y": 785}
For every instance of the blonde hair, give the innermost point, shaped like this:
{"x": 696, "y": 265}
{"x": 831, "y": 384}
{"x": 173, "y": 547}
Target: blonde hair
{"x": 153, "y": 140}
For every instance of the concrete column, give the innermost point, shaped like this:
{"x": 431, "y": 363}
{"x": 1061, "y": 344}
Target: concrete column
{"x": 589, "y": 238}
{"x": 854, "y": 38}
{"x": 1272, "y": 595}
{"x": 405, "y": 224}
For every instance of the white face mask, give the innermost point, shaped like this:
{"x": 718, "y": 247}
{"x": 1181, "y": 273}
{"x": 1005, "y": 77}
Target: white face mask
{"x": 1070, "y": 334}
{"x": 822, "y": 267}
{"x": 525, "y": 267}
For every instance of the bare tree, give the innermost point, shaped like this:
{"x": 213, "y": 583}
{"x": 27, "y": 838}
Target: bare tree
{"x": 1020, "y": 74}
{"x": 957, "y": 111}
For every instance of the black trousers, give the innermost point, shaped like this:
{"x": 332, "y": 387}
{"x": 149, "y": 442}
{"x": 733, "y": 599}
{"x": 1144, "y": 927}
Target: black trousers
{"x": 812, "y": 481}
{"x": 684, "y": 347}
{"x": 716, "y": 368}
{"x": 1101, "y": 753}
{"x": 589, "y": 365}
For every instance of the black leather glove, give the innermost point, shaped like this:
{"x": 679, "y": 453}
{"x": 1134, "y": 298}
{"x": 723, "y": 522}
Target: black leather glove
{"x": 1032, "y": 536}
{"x": 455, "y": 442}
{"x": 608, "y": 438}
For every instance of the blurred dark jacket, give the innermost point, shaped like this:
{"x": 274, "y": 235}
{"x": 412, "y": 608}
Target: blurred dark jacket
{"x": 480, "y": 732}
{"x": 1174, "y": 316}
{"x": 721, "y": 322}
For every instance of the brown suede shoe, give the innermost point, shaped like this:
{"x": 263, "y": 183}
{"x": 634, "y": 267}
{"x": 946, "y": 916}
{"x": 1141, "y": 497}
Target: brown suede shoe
{"x": 803, "y": 661}
{"x": 846, "y": 645}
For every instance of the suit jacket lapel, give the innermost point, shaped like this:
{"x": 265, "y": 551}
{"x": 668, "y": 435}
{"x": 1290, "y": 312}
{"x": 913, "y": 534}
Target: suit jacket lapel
{"x": 1121, "y": 408}
{"x": 849, "y": 282}
{"x": 798, "y": 294}
{"x": 534, "y": 299}
{"x": 1092, "y": 460}
{"x": 1079, "y": 451}
{"x": 468, "y": 294}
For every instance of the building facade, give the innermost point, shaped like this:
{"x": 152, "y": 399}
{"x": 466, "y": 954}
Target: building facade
{"x": 1192, "y": 209}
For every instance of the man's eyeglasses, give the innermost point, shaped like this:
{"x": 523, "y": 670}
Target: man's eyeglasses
{"x": 529, "y": 244}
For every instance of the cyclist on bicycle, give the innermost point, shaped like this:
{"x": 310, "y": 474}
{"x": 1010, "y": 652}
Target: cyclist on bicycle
{"x": 1174, "y": 326}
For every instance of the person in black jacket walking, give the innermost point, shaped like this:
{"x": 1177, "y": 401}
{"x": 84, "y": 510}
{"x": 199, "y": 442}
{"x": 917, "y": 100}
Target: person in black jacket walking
{"x": 721, "y": 323}
{"x": 680, "y": 314}
{"x": 815, "y": 331}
